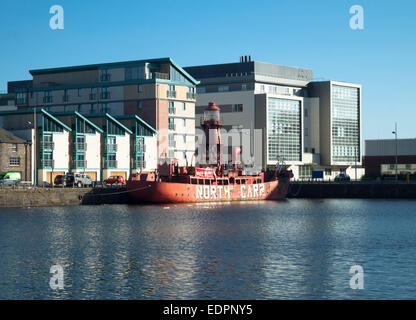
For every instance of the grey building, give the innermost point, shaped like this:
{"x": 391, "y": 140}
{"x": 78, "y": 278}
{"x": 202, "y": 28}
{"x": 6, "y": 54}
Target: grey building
{"x": 310, "y": 125}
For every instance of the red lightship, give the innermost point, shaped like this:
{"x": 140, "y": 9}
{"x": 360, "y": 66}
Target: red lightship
{"x": 174, "y": 184}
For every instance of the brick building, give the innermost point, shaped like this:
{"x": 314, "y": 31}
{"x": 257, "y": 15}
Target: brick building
{"x": 15, "y": 155}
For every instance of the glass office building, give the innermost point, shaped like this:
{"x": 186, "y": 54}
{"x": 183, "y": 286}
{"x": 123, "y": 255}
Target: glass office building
{"x": 284, "y": 129}
{"x": 345, "y": 129}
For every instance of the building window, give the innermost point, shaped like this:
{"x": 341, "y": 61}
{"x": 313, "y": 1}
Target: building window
{"x": 305, "y": 113}
{"x": 345, "y": 109}
{"x": 171, "y": 154}
{"x": 184, "y": 139}
{"x": 47, "y": 97}
{"x": 79, "y": 92}
{"x": 171, "y": 109}
{"x": 171, "y": 140}
{"x": 305, "y": 172}
{"x": 237, "y": 108}
{"x": 171, "y": 91}
{"x": 223, "y": 88}
{"x": 184, "y": 106}
{"x": 14, "y": 162}
{"x": 92, "y": 94}
{"x": 284, "y": 129}
{"x": 306, "y": 131}
{"x": 171, "y": 122}
{"x": 105, "y": 75}
{"x": 184, "y": 123}
{"x": 105, "y": 93}
{"x": 272, "y": 89}
{"x": 328, "y": 171}
{"x": 139, "y": 88}
{"x": 139, "y": 105}
{"x": 21, "y": 98}
{"x": 262, "y": 88}
{"x": 243, "y": 87}
{"x": 201, "y": 90}
{"x": 14, "y": 147}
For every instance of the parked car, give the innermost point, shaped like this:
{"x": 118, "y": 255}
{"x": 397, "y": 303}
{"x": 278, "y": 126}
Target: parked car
{"x": 115, "y": 180}
{"x": 10, "y": 178}
{"x": 60, "y": 180}
{"x": 342, "y": 177}
{"x": 74, "y": 179}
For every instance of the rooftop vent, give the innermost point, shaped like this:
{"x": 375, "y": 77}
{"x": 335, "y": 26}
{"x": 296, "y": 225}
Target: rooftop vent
{"x": 245, "y": 59}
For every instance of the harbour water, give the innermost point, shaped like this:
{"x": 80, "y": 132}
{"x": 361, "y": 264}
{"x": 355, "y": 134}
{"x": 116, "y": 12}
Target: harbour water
{"x": 292, "y": 249}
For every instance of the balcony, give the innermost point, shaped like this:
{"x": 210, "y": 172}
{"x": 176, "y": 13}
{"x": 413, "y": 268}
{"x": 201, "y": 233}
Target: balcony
{"x": 93, "y": 96}
{"x": 159, "y": 75}
{"x": 47, "y": 145}
{"x": 65, "y": 98}
{"x": 105, "y": 77}
{"x": 21, "y": 101}
{"x": 171, "y": 94}
{"x": 110, "y": 148}
{"x": 140, "y": 148}
{"x": 47, "y": 163}
{"x": 140, "y": 164}
{"x": 47, "y": 99}
{"x": 110, "y": 163}
{"x": 190, "y": 95}
{"x": 80, "y": 164}
{"x": 80, "y": 146}
{"x": 105, "y": 95}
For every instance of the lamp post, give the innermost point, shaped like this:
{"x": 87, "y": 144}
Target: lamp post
{"x": 395, "y": 134}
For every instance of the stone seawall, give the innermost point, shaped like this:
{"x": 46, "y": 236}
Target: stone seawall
{"x": 352, "y": 190}
{"x": 45, "y": 197}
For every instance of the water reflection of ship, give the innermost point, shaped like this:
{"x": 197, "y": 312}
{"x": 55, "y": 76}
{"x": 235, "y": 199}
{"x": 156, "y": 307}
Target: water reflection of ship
{"x": 174, "y": 184}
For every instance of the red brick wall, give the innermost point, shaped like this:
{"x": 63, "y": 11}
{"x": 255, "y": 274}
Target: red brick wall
{"x": 373, "y": 164}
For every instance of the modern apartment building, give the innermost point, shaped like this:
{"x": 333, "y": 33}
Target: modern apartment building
{"x": 310, "y": 125}
{"x": 157, "y": 90}
{"x": 99, "y": 145}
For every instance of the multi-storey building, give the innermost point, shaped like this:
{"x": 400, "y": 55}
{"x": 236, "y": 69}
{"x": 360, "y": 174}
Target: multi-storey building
{"x": 84, "y": 144}
{"x": 98, "y": 145}
{"x": 309, "y": 125}
{"x": 157, "y": 90}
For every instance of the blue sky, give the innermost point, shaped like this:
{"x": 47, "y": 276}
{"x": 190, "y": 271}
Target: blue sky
{"x": 304, "y": 33}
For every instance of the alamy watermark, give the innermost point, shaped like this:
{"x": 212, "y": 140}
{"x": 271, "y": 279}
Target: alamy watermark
{"x": 357, "y": 279}
{"x": 357, "y": 20}
{"x": 57, "y": 20}
{"x": 57, "y": 280}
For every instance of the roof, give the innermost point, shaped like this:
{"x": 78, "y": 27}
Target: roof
{"x": 8, "y": 137}
{"x": 106, "y": 115}
{"x": 112, "y": 65}
{"x": 136, "y": 117}
{"x": 55, "y": 119}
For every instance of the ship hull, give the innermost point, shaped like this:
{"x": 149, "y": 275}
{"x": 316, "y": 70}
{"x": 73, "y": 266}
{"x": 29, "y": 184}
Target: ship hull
{"x": 168, "y": 192}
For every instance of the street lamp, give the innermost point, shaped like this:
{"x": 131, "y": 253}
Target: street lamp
{"x": 395, "y": 133}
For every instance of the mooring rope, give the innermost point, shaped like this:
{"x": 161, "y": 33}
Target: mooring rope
{"x": 120, "y": 192}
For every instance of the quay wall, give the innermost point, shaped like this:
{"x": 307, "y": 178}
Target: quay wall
{"x": 48, "y": 197}
{"x": 353, "y": 190}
